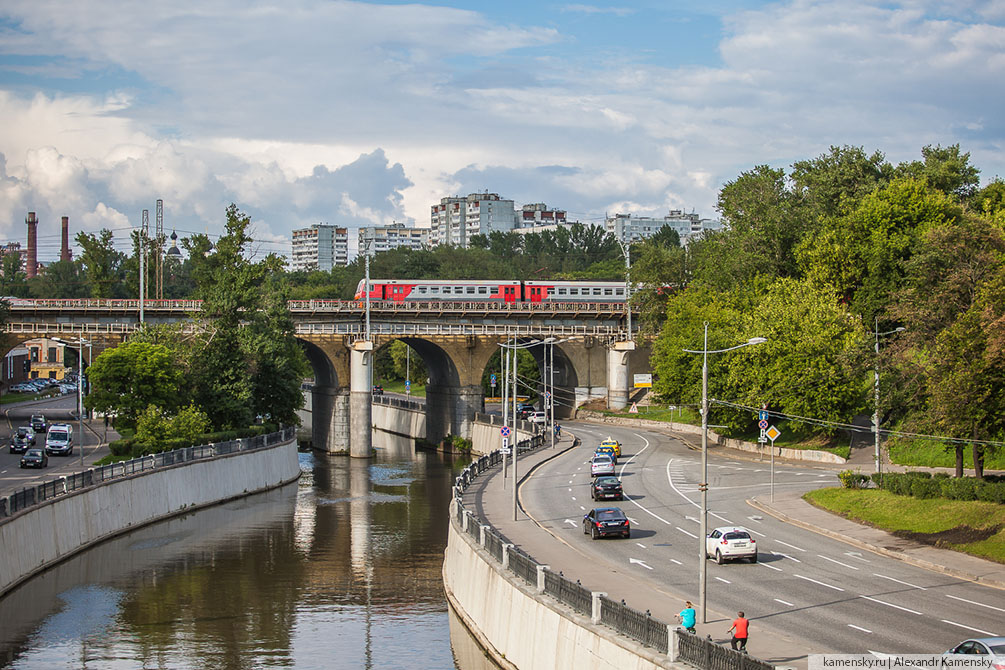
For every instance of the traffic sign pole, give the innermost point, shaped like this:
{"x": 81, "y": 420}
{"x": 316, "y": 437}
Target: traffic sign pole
{"x": 773, "y": 434}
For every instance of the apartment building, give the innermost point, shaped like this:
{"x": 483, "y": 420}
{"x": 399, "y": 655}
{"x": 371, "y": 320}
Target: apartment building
{"x": 627, "y": 228}
{"x": 393, "y": 236}
{"x": 320, "y": 247}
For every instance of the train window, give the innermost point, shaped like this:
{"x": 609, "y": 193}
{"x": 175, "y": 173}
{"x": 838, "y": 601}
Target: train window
{"x": 596, "y": 291}
{"x": 483, "y": 290}
{"x": 561, "y": 291}
{"x": 471, "y": 289}
{"x": 551, "y": 290}
{"x": 434, "y": 289}
{"x": 608, "y": 291}
{"x": 446, "y": 290}
{"x": 619, "y": 291}
{"x": 422, "y": 290}
{"x": 573, "y": 291}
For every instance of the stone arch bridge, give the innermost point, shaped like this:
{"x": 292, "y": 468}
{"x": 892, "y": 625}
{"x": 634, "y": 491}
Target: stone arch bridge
{"x": 593, "y": 351}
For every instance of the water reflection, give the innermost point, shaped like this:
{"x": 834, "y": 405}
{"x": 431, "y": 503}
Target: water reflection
{"x": 340, "y": 570}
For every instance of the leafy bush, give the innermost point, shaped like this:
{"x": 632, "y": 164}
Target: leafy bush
{"x": 959, "y": 489}
{"x": 852, "y": 480}
{"x": 991, "y": 491}
{"x": 925, "y": 487}
{"x": 120, "y": 448}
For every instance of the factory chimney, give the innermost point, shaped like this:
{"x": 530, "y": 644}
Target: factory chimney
{"x": 31, "y": 265}
{"x": 64, "y": 251}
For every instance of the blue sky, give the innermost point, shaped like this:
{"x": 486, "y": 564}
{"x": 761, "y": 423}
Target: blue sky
{"x": 369, "y": 112}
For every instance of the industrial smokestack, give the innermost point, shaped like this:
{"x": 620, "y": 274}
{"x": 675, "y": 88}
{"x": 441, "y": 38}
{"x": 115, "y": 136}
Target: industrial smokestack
{"x": 64, "y": 251}
{"x": 31, "y": 266}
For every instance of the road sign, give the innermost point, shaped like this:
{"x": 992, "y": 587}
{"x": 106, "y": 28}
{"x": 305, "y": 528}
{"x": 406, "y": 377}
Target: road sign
{"x": 773, "y": 434}
{"x": 505, "y": 444}
{"x": 762, "y": 416}
{"x": 504, "y": 451}
{"x": 762, "y": 439}
{"x": 634, "y": 408}
{"x": 492, "y": 380}
{"x": 505, "y": 431}
{"x": 643, "y": 381}
{"x": 547, "y": 395}
{"x": 763, "y": 424}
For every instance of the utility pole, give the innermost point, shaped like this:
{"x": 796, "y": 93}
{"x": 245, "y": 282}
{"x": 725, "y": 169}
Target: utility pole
{"x": 158, "y": 251}
{"x": 144, "y": 228}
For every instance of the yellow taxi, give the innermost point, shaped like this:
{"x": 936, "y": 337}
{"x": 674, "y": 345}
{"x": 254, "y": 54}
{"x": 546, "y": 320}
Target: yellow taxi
{"x": 611, "y": 442}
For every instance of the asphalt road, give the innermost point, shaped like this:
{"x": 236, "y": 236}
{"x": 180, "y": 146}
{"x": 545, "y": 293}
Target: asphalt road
{"x": 818, "y": 592}
{"x": 61, "y": 409}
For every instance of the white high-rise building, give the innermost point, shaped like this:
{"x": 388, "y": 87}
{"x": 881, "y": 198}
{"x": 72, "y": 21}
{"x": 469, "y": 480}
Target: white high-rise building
{"x": 320, "y": 247}
{"x": 627, "y": 228}
{"x": 455, "y": 220}
{"x": 394, "y": 236}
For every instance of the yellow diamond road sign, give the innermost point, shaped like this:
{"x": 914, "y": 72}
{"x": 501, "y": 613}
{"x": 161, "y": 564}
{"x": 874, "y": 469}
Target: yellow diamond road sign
{"x": 773, "y": 433}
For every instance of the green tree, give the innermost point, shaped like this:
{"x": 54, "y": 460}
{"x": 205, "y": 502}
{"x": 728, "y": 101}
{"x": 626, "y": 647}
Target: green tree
{"x": 102, "y": 263}
{"x": 832, "y": 184}
{"x": 945, "y": 169}
{"x": 61, "y": 279}
{"x": 13, "y": 281}
{"x": 132, "y": 376}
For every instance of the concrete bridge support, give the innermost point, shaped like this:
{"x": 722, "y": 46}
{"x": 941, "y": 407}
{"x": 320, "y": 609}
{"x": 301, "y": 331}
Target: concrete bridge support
{"x": 617, "y": 374}
{"x": 330, "y": 419}
{"x": 360, "y": 400}
{"x": 450, "y": 410}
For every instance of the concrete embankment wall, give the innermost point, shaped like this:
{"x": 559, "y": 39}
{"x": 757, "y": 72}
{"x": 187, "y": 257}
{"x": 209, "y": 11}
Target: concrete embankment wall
{"x": 45, "y": 534}
{"x": 400, "y": 420}
{"x": 486, "y": 438}
{"x": 525, "y": 630}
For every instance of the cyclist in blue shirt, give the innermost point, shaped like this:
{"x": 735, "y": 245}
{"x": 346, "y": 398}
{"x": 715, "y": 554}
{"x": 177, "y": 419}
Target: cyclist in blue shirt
{"x": 687, "y": 616}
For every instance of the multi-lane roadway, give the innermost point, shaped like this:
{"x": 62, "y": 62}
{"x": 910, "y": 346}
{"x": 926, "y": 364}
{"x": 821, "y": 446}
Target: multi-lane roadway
{"x": 821, "y": 593}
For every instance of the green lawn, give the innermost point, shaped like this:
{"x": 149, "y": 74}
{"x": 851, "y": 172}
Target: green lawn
{"x": 929, "y": 453}
{"x": 972, "y": 527}
{"x": 399, "y": 387}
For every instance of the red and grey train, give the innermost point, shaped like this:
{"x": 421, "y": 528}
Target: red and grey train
{"x": 491, "y": 290}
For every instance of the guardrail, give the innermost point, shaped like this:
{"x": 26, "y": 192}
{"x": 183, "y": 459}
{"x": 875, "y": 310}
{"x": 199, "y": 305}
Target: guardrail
{"x": 642, "y": 627}
{"x": 400, "y": 403}
{"x": 35, "y": 495}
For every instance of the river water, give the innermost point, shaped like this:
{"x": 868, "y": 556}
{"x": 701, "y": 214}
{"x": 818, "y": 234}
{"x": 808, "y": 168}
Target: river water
{"x": 338, "y": 570}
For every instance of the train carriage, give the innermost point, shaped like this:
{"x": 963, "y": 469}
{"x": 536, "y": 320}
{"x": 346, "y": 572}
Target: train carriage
{"x": 491, "y": 290}
{"x": 574, "y": 291}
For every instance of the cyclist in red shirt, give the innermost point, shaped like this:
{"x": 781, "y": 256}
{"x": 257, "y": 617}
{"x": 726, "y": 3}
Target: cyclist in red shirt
{"x": 739, "y": 631}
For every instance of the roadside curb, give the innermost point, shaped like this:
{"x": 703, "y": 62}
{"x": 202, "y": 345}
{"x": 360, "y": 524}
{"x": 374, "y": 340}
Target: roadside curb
{"x": 900, "y": 556}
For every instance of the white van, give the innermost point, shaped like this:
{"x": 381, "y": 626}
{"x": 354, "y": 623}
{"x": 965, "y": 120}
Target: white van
{"x": 59, "y": 440}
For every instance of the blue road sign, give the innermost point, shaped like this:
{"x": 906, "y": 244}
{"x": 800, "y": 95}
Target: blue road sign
{"x": 505, "y": 431}
{"x": 763, "y": 424}
{"x": 762, "y": 416}
{"x": 492, "y": 380}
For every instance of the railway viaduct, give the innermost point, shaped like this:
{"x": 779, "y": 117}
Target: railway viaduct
{"x": 593, "y": 351}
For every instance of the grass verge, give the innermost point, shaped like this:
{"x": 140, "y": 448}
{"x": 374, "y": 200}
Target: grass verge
{"x": 972, "y": 527}
{"x": 932, "y": 454}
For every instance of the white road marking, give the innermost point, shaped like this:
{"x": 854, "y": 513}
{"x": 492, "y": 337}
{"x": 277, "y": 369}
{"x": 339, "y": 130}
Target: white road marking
{"x": 756, "y": 533}
{"x": 570, "y": 489}
{"x": 755, "y": 518}
{"x": 913, "y": 586}
{"x": 571, "y": 521}
{"x": 687, "y": 533}
{"x": 953, "y": 623}
{"x": 855, "y": 554}
{"x": 631, "y": 519}
{"x": 778, "y": 553}
{"x": 674, "y": 560}
{"x": 830, "y": 586}
{"x": 828, "y": 558}
{"x": 891, "y": 605}
{"x": 638, "y": 562}
{"x": 639, "y": 544}
{"x": 675, "y": 488}
{"x": 778, "y": 600}
{"x": 692, "y": 518}
{"x": 789, "y": 545}
{"x": 765, "y": 565}
{"x": 724, "y": 580}
{"x": 864, "y": 630}
{"x": 717, "y": 516}
{"x": 573, "y": 497}
{"x": 990, "y": 607}
{"x": 582, "y": 508}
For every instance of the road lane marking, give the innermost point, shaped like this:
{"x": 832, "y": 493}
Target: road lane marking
{"x": 631, "y": 519}
{"x": 571, "y": 521}
{"x": 724, "y": 580}
{"x": 582, "y": 508}
{"x": 632, "y": 500}
{"x": 830, "y": 586}
{"x": 789, "y": 545}
{"x": 972, "y": 602}
{"x": 765, "y": 565}
{"x": 691, "y": 518}
{"x": 573, "y": 497}
{"x": 674, "y": 560}
{"x": 639, "y": 544}
{"x": 864, "y": 630}
{"x": 913, "y": 586}
{"x": 827, "y": 558}
{"x": 687, "y": 533}
{"x": 717, "y": 516}
{"x": 953, "y": 623}
{"x": 778, "y": 553}
{"x": 756, "y": 533}
{"x": 638, "y": 562}
{"x": 855, "y": 554}
{"x": 778, "y": 600}
{"x": 890, "y": 605}
{"x": 570, "y": 489}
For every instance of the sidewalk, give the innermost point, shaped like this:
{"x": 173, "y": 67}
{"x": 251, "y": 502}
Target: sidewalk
{"x": 791, "y": 508}
{"x": 541, "y": 540}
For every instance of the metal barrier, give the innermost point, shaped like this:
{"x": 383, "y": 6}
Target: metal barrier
{"x": 639, "y": 626}
{"x": 39, "y": 493}
{"x": 400, "y": 403}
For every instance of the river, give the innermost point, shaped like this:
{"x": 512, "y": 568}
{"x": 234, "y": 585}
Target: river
{"x": 338, "y": 570}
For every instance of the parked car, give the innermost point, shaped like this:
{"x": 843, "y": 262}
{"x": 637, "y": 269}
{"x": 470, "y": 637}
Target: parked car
{"x": 59, "y": 440}
{"x": 608, "y": 450}
{"x": 38, "y": 423}
{"x": 22, "y": 388}
{"x": 606, "y": 487}
{"x": 606, "y": 521}
{"x": 34, "y": 458}
{"x": 378, "y": 389}
{"x": 22, "y": 438}
{"x": 524, "y": 409}
{"x": 538, "y": 417}
{"x": 991, "y": 648}
{"x": 611, "y": 442}
{"x": 731, "y": 542}
{"x": 601, "y": 465}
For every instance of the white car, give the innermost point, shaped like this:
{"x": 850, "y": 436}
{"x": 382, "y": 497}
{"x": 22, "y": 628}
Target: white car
{"x": 601, "y": 465}
{"x": 731, "y": 542}
{"x": 538, "y": 417}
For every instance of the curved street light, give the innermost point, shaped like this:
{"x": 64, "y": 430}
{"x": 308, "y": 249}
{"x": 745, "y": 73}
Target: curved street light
{"x": 875, "y": 391}
{"x": 79, "y": 346}
{"x": 703, "y": 486}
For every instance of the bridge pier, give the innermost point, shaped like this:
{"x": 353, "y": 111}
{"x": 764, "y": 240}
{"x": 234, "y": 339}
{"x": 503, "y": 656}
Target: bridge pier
{"x": 330, "y": 419}
{"x": 360, "y": 400}
{"x": 450, "y": 410}
{"x": 617, "y": 374}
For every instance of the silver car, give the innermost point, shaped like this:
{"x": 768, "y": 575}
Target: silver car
{"x": 991, "y": 648}
{"x": 730, "y": 542}
{"x": 601, "y": 465}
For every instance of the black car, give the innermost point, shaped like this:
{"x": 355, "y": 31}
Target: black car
{"x": 378, "y": 390}
{"x": 606, "y": 521}
{"x": 604, "y": 488}
{"x": 525, "y": 409}
{"x": 22, "y": 438}
{"x": 38, "y": 423}
{"x": 34, "y": 458}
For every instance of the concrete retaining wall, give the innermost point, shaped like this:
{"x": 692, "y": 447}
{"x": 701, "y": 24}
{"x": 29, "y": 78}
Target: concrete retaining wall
{"x": 399, "y": 420}
{"x": 522, "y": 629}
{"x": 45, "y": 534}
{"x": 713, "y": 438}
{"x": 485, "y": 437}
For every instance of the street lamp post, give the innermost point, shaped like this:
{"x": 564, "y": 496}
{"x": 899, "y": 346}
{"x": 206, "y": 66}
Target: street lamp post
{"x": 875, "y": 390}
{"x": 703, "y": 486}
{"x": 81, "y": 343}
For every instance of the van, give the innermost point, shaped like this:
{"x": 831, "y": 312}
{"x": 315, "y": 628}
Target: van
{"x": 59, "y": 440}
